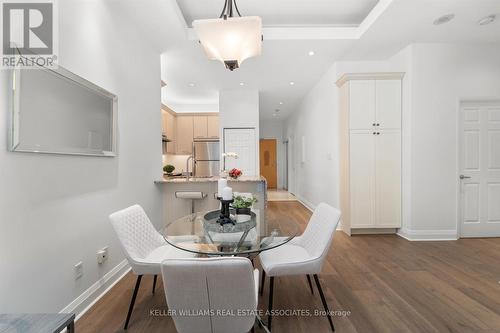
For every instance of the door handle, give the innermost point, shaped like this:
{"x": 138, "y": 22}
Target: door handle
{"x": 462, "y": 177}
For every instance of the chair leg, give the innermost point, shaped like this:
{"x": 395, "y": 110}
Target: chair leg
{"x": 262, "y": 282}
{"x": 154, "y": 283}
{"x": 71, "y": 327}
{"x": 310, "y": 284}
{"x": 270, "y": 308}
{"x": 132, "y": 302}
{"x": 323, "y": 300}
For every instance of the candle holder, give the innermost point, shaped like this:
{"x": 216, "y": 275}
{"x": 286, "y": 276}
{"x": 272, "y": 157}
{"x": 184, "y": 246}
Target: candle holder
{"x": 225, "y": 215}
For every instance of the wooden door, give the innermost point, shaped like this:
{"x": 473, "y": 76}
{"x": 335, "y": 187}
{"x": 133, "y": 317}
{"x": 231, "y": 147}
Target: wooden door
{"x": 388, "y": 104}
{"x": 200, "y": 127}
{"x": 268, "y": 162}
{"x": 362, "y": 179}
{"x": 184, "y": 142}
{"x": 480, "y": 170}
{"x": 361, "y": 104}
{"x": 388, "y": 179}
{"x": 213, "y": 127}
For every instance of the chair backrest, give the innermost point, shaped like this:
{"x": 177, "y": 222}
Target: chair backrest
{"x": 209, "y": 294}
{"x": 318, "y": 236}
{"x": 136, "y": 233}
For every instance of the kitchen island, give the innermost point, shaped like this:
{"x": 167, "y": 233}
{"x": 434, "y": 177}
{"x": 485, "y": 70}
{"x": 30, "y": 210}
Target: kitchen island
{"x": 175, "y": 208}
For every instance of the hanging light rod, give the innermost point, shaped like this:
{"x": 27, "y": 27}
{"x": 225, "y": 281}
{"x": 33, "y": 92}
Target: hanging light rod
{"x": 227, "y": 11}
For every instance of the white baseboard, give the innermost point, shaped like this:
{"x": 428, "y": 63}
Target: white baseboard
{"x": 428, "y": 235}
{"x": 312, "y": 207}
{"x": 96, "y": 291}
{"x": 306, "y": 203}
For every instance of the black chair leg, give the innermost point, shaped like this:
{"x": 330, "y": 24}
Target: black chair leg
{"x": 262, "y": 282}
{"x": 132, "y": 302}
{"x": 154, "y": 283}
{"x": 310, "y": 284}
{"x": 323, "y": 300}
{"x": 270, "y": 308}
{"x": 71, "y": 327}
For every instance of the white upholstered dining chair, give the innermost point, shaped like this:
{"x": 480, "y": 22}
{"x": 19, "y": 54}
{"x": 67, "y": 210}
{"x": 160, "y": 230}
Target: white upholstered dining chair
{"x": 221, "y": 293}
{"x": 144, "y": 247}
{"x": 303, "y": 255}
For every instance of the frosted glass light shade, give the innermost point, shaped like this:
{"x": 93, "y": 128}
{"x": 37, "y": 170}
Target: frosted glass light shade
{"x": 230, "y": 41}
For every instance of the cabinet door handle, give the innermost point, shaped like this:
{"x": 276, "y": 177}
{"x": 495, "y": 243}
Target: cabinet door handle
{"x": 374, "y": 133}
{"x": 377, "y": 124}
{"x": 374, "y": 124}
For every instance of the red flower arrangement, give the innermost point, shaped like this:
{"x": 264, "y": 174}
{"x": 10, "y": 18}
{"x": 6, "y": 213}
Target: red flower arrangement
{"x": 235, "y": 173}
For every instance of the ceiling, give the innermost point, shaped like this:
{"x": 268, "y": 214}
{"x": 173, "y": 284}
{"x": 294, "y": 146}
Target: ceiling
{"x": 285, "y": 12}
{"x": 389, "y": 26}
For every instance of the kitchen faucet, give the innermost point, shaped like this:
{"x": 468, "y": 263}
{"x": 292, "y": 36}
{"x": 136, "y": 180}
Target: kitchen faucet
{"x": 187, "y": 166}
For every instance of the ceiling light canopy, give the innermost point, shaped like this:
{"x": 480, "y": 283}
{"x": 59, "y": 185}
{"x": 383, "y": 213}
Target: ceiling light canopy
{"x": 230, "y": 39}
{"x": 444, "y": 19}
{"x": 487, "y": 20}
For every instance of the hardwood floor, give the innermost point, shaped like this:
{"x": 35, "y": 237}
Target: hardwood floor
{"x": 385, "y": 283}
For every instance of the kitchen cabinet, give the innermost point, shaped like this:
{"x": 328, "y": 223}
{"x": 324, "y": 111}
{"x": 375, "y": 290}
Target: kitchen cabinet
{"x": 168, "y": 130}
{"x": 184, "y": 137}
{"x": 206, "y": 127}
{"x": 371, "y": 106}
{"x": 213, "y": 127}
{"x": 200, "y": 127}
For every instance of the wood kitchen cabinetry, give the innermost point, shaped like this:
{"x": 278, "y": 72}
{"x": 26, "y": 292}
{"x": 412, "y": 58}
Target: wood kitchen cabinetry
{"x": 184, "y": 142}
{"x": 206, "y": 127}
{"x": 168, "y": 129}
{"x": 371, "y": 106}
{"x": 212, "y": 127}
{"x": 183, "y": 129}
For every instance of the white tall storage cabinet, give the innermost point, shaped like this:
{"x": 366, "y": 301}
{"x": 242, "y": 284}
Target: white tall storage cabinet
{"x": 371, "y": 106}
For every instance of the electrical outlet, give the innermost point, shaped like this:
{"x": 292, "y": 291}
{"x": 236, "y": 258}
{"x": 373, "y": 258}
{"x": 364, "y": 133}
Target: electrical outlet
{"x": 78, "y": 270}
{"x": 102, "y": 255}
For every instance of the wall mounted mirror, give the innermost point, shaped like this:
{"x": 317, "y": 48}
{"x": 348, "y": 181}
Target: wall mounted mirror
{"x": 55, "y": 111}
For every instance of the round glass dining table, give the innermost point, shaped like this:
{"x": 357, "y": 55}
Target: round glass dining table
{"x": 247, "y": 236}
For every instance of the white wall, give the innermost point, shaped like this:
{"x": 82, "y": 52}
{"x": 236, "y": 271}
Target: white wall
{"x": 54, "y": 208}
{"x": 239, "y": 109}
{"x": 444, "y": 75}
{"x": 315, "y": 180}
{"x": 273, "y": 129}
{"x": 438, "y": 77}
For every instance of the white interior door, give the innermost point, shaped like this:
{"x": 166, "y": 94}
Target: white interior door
{"x": 362, "y": 179}
{"x": 388, "y": 179}
{"x": 243, "y": 142}
{"x": 361, "y": 104}
{"x": 480, "y": 170}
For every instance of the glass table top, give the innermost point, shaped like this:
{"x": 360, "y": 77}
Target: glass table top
{"x": 248, "y": 235}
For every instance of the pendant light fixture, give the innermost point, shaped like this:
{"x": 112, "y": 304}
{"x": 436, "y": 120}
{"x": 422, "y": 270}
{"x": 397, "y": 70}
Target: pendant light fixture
{"x": 230, "y": 39}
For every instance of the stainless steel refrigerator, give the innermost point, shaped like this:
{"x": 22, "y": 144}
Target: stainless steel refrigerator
{"x": 206, "y": 158}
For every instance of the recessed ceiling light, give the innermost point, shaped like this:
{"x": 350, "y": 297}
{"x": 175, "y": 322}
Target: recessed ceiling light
{"x": 281, "y": 103}
{"x": 311, "y": 53}
{"x": 487, "y": 20}
{"x": 191, "y": 84}
{"x": 242, "y": 83}
{"x": 292, "y": 83}
{"x": 444, "y": 19}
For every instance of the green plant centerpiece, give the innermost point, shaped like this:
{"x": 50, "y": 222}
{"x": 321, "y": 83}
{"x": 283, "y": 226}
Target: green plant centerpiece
{"x": 168, "y": 169}
{"x": 243, "y": 204}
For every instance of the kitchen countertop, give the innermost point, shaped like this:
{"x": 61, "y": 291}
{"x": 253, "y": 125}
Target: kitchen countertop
{"x": 167, "y": 180}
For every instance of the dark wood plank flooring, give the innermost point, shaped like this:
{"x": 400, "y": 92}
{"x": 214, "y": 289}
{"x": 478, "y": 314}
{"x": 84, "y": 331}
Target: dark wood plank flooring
{"x": 383, "y": 283}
